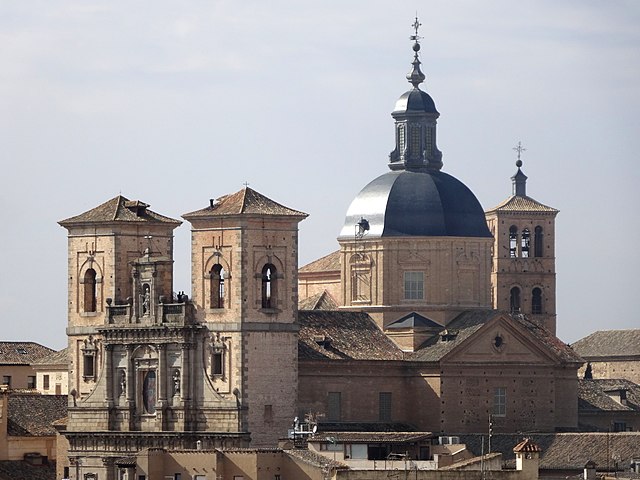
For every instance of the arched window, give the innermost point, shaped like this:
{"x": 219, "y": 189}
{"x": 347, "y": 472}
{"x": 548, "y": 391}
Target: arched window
{"x": 217, "y": 286}
{"x": 269, "y": 286}
{"x": 525, "y": 243}
{"x": 513, "y": 241}
{"x": 515, "y": 300}
{"x": 537, "y": 242}
{"x": 90, "y": 290}
{"x": 536, "y": 301}
{"x": 149, "y": 391}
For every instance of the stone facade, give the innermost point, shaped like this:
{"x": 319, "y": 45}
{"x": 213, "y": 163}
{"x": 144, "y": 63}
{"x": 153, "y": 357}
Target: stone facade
{"x": 454, "y": 272}
{"x": 148, "y": 368}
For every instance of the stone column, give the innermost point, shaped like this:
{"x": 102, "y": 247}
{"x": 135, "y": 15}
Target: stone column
{"x": 162, "y": 374}
{"x": 185, "y": 373}
{"x": 108, "y": 365}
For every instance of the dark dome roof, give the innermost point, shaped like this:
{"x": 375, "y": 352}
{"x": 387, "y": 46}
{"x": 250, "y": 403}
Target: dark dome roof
{"x": 415, "y": 100}
{"x": 417, "y": 203}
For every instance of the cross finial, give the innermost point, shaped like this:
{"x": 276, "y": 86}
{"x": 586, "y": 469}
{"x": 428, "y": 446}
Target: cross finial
{"x": 246, "y": 184}
{"x": 519, "y": 148}
{"x": 416, "y": 26}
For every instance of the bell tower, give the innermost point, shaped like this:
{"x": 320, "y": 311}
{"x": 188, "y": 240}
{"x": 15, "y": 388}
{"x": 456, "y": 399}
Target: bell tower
{"x": 523, "y": 267}
{"x": 137, "y": 357}
{"x": 244, "y": 285}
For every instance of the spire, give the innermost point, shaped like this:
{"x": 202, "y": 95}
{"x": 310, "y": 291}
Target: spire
{"x": 415, "y": 115}
{"x": 519, "y": 180}
{"x": 415, "y": 76}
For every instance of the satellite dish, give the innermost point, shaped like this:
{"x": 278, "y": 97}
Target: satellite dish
{"x": 314, "y": 429}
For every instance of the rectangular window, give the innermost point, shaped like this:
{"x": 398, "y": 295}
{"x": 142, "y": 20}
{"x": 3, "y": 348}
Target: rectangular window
{"x": 58, "y": 389}
{"x": 217, "y": 367}
{"x": 334, "y": 412}
{"x": 500, "y": 402}
{"x": 413, "y": 285}
{"x": 89, "y": 370}
{"x": 6, "y": 380}
{"x": 45, "y": 382}
{"x": 31, "y": 381}
{"x": 384, "y": 403}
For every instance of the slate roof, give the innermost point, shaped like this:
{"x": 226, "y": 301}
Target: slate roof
{"x": 59, "y": 358}
{"x": 328, "y": 263}
{"x": 593, "y": 398}
{"x": 609, "y": 343}
{"x": 337, "y": 335}
{"x": 22, "y": 353}
{"x": 413, "y": 320}
{"x": 371, "y": 437}
{"x": 517, "y": 203}
{"x": 467, "y": 323}
{"x": 31, "y": 415}
{"x": 21, "y": 470}
{"x": 244, "y": 202}
{"x": 562, "y": 451}
{"x": 319, "y": 301}
{"x": 119, "y": 209}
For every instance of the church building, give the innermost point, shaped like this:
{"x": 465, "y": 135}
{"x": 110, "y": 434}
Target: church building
{"x": 431, "y": 316}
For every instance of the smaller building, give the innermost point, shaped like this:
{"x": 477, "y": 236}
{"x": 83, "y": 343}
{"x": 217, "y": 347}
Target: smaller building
{"x": 52, "y": 373}
{"x": 26, "y": 425}
{"x": 16, "y": 363}
{"x": 610, "y": 354}
{"x": 608, "y": 405}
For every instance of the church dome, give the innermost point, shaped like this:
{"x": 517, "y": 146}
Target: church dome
{"x": 415, "y": 198}
{"x": 415, "y": 101}
{"x": 416, "y": 203}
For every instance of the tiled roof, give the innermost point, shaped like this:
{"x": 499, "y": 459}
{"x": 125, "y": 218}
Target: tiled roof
{"x": 459, "y": 329}
{"x": 315, "y": 459}
{"x": 609, "y": 343}
{"x": 467, "y": 323}
{"x": 593, "y": 397}
{"x": 60, "y": 358}
{"x": 371, "y": 437}
{"x": 32, "y": 415}
{"x": 365, "y": 427}
{"x": 244, "y": 202}
{"x": 119, "y": 209}
{"x": 526, "y": 445}
{"x": 565, "y": 450}
{"x": 319, "y": 301}
{"x": 337, "y": 335}
{"x": 21, "y": 470}
{"x": 517, "y": 203}
{"x": 22, "y": 353}
{"x": 328, "y": 263}
{"x": 549, "y": 340}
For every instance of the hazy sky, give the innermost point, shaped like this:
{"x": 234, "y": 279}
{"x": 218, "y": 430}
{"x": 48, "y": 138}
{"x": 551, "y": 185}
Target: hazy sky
{"x": 173, "y": 103}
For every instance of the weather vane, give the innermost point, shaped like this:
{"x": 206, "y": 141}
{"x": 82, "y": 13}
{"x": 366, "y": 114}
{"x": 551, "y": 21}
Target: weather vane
{"x": 416, "y": 25}
{"x": 519, "y": 148}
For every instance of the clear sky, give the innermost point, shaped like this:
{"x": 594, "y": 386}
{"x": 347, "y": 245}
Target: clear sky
{"x": 173, "y": 103}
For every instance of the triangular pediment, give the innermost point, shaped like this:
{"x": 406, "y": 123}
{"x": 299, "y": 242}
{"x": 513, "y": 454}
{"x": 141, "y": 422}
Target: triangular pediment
{"x": 501, "y": 340}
